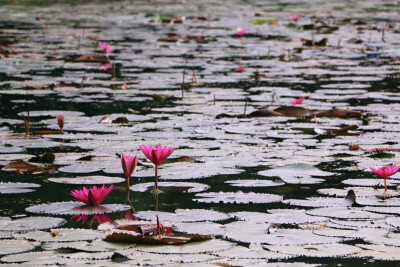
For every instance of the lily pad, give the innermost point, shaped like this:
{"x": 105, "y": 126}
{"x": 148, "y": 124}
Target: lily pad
{"x": 85, "y": 180}
{"x": 322, "y": 250}
{"x": 61, "y": 235}
{"x": 236, "y": 197}
{"x": 30, "y": 223}
{"x": 171, "y": 186}
{"x": 75, "y": 208}
{"x": 255, "y": 183}
{"x": 183, "y": 215}
{"x": 345, "y": 213}
{"x": 16, "y": 246}
{"x": 17, "y": 188}
{"x": 191, "y": 248}
{"x": 279, "y": 216}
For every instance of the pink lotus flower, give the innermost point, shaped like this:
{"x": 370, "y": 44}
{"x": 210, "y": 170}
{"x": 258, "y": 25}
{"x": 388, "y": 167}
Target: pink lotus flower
{"x": 240, "y": 69}
{"x": 295, "y": 17}
{"x": 106, "y": 47}
{"x": 92, "y": 196}
{"x": 297, "y": 101}
{"x": 240, "y": 32}
{"x": 100, "y": 218}
{"x": 156, "y": 155}
{"x": 385, "y": 172}
{"x": 61, "y": 122}
{"x": 128, "y": 165}
{"x": 106, "y": 66}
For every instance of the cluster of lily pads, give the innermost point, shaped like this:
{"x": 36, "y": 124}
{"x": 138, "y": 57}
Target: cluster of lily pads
{"x": 276, "y": 125}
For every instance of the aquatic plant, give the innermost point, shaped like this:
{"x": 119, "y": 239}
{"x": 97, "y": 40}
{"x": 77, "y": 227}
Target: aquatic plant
{"x": 129, "y": 164}
{"x": 61, "y": 122}
{"x": 240, "y": 32}
{"x": 156, "y": 156}
{"x": 295, "y": 17}
{"x": 385, "y": 172}
{"x": 106, "y": 47}
{"x": 297, "y": 101}
{"x": 92, "y": 196}
{"x": 27, "y": 122}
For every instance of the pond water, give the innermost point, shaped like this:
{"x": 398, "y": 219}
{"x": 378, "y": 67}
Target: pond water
{"x": 274, "y": 183}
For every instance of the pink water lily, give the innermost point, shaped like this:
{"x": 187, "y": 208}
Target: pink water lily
{"x": 240, "y": 32}
{"x": 385, "y": 172}
{"x": 297, "y": 101}
{"x": 92, "y": 196}
{"x": 156, "y": 155}
{"x": 106, "y": 47}
{"x": 129, "y": 164}
{"x": 295, "y": 17}
{"x": 240, "y": 69}
{"x": 61, "y": 122}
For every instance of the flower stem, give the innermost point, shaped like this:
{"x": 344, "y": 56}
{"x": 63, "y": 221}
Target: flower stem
{"x": 385, "y": 184}
{"x": 127, "y": 183}
{"x": 156, "y": 178}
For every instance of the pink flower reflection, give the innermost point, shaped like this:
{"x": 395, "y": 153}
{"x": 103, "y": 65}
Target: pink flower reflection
{"x": 100, "y": 218}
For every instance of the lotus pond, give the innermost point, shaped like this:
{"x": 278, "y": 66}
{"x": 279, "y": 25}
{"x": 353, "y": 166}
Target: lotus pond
{"x": 276, "y": 111}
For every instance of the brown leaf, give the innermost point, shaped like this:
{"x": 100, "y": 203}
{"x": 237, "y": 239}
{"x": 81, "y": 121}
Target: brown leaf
{"x": 293, "y": 111}
{"x": 308, "y": 42}
{"x": 122, "y": 120}
{"x": 92, "y": 58}
{"x": 344, "y": 130}
{"x": 115, "y": 235}
{"x": 339, "y": 113}
{"x": 24, "y": 167}
{"x": 264, "y": 113}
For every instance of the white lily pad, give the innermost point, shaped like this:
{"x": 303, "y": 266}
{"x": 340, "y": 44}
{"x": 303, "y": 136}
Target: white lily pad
{"x": 183, "y": 215}
{"x": 16, "y": 246}
{"x": 212, "y": 245}
{"x": 359, "y": 191}
{"x": 263, "y": 233}
{"x": 97, "y": 245}
{"x": 279, "y": 216}
{"x": 85, "y": 180}
{"x": 200, "y": 228}
{"x": 253, "y": 252}
{"x": 255, "y": 183}
{"x": 30, "y": 223}
{"x": 322, "y": 250}
{"x": 379, "y": 252}
{"x": 174, "y": 186}
{"x": 17, "y": 188}
{"x": 370, "y": 182}
{"x": 236, "y": 197}
{"x": 139, "y": 258}
{"x": 61, "y": 235}
{"x": 345, "y": 213}
{"x": 75, "y": 208}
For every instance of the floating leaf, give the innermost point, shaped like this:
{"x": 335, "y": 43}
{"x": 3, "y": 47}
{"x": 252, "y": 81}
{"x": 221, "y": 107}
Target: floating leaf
{"x": 16, "y": 246}
{"x": 212, "y": 245}
{"x": 75, "y": 208}
{"x": 323, "y": 250}
{"x": 61, "y": 235}
{"x": 171, "y": 186}
{"x": 236, "y": 197}
{"x": 30, "y": 223}
{"x": 87, "y": 180}
{"x": 24, "y": 167}
{"x": 17, "y": 188}
{"x": 278, "y": 216}
{"x": 345, "y": 213}
{"x": 255, "y": 183}
{"x": 183, "y": 215}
